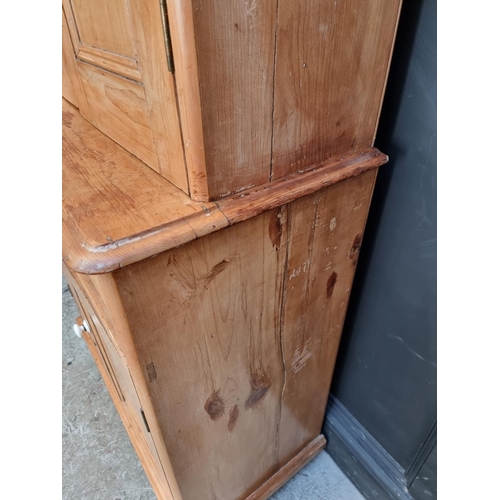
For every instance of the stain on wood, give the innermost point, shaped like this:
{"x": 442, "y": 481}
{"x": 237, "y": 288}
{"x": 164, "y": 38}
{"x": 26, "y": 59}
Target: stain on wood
{"x": 151, "y": 371}
{"x": 275, "y": 229}
{"x": 356, "y": 245}
{"x": 250, "y": 360}
{"x": 316, "y": 301}
{"x": 222, "y": 351}
{"x": 224, "y": 318}
{"x": 233, "y": 417}
{"x": 259, "y": 385}
{"x": 332, "y": 62}
{"x": 106, "y": 191}
{"x": 354, "y": 251}
{"x": 215, "y": 406}
{"x": 331, "y": 284}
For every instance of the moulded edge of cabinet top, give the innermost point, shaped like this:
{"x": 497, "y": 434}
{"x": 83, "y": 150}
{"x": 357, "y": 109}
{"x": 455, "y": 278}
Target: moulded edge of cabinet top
{"x": 117, "y": 211}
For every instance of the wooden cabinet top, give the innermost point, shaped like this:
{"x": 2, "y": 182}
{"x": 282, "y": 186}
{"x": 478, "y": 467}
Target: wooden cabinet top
{"x": 117, "y": 211}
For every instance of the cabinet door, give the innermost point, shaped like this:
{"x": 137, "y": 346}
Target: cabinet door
{"x": 116, "y": 375}
{"x": 121, "y": 57}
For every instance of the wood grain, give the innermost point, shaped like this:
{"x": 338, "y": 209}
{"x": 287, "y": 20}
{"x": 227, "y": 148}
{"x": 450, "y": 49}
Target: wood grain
{"x": 235, "y": 54}
{"x": 159, "y": 88}
{"x": 142, "y": 117}
{"x": 105, "y": 288}
{"x": 180, "y": 16}
{"x": 119, "y": 109}
{"x": 302, "y": 458}
{"x": 332, "y": 61}
{"x": 105, "y": 25}
{"x": 325, "y": 235}
{"x": 116, "y": 211}
{"x": 156, "y": 480}
{"x": 123, "y": 66}
{"x": 206, "y": 316}
{"x": 69, "y": 91}
{"x": 269, "y": 88}
{"x": 114, "y": 370}
{"x": 115, "y": 206}
{"x": 274, "y": 194}
{"x": 72, "y": 88}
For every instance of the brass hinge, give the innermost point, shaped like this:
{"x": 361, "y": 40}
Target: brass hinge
{"x": 145, "y": 421}
{"x": 166, "y": 35}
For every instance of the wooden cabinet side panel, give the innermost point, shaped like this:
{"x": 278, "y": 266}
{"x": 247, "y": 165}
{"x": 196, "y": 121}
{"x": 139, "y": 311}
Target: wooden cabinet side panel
{"x": 235, "y": 53}
{"x": 332, "y": 60}
{"x": 205, "y": 322}
{"x": 326, "y": 230}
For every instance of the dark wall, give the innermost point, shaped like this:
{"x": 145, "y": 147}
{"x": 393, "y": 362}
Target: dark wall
{"x": 386, "y": 370}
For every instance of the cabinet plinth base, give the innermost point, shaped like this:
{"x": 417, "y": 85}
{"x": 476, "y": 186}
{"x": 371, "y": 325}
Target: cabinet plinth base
{"x": 286, "y": 472}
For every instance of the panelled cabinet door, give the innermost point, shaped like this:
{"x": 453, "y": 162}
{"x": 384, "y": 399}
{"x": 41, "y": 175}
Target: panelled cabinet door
{"x": 121, "y": 58}
{"x": 116, "y": 370}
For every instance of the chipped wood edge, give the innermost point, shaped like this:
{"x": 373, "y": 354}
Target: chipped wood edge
{"x": 273, "y": 194}
{"x": 85, "y": 258}
{"x": 289, "y": 469}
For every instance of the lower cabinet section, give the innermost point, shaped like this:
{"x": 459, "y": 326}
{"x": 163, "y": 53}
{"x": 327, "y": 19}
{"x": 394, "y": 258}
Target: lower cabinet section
{"x": 219, "y": 353}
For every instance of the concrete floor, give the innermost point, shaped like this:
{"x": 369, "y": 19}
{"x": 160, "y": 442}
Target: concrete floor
{"x": 99, "y": 462}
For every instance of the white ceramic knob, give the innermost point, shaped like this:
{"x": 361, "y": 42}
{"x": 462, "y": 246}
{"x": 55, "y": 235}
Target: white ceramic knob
{"x": 80, "y": 326}
{"x": 78, "y": 329}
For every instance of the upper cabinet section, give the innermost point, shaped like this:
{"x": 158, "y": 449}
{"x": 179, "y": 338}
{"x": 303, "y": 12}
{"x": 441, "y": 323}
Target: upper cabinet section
{"x": 120, "y": 53}
{"x": 260, "y": 88}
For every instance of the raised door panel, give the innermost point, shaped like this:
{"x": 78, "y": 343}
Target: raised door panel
{"x": 105, "y": 25}
{"x": 120, "y": 53}
{"x": 118, "y": 108}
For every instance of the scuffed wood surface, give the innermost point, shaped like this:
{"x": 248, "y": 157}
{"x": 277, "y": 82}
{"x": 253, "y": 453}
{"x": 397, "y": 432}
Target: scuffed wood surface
{"x": 302, "y": 458}
{"x": 115, "y": 208}
{"x": 252, "y": 202}
{"x": 117, "y": 211}
{"x": 237, "y": 335}
{"x": 205, "y": 322}
{"x": 325, "y": 235}
{"x": 332, "y": 61}
{"x": 106, "y": 26}
{"x": 180, "y": 15}
{"x": 270, "y": 87}
{"x": 118, "y": 108}
{"x": 122, "y": 389}
{"x": 159, "y": 89}
{"x": 235, "y": 54}
{"x": 72, "y": 89}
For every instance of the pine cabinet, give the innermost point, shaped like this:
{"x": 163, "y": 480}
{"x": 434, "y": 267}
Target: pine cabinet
{"x": 218, "y": 167}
